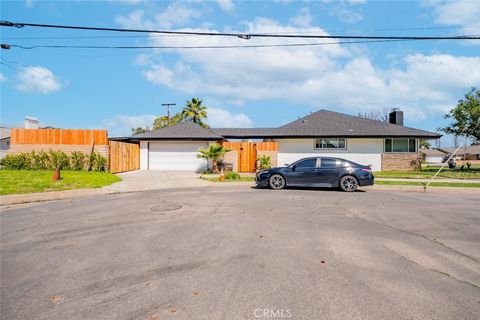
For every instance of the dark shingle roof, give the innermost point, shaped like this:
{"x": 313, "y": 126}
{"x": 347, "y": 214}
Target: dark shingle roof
{"x": 326, "y": 123}
{"x": 181, "y": 131}
{"x": 322, "y": 123}
{"x": 329, "y": 123}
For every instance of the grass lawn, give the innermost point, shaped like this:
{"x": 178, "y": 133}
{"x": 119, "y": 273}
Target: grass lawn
{"x": 433, "y": 184}
{"x": 29, "y": 181}
{"x": 473, "y": 173}
{"x": 214, "y": 178}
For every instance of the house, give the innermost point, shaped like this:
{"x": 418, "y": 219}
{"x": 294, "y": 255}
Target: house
{"x": 4, "y": 141}
{"x": 435, "y": 155}
{"x": 466, "y": 153}
{"x": 384, "y": 146}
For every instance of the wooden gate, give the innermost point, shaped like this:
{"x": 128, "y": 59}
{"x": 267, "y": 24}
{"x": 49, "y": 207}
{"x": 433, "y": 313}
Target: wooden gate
{"x": 247, "y": 153}
{"x": 123, "y": 156}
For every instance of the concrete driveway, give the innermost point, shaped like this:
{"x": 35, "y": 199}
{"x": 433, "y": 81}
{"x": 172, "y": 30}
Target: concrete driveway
{"x": 240, "y": 253}
{"x": 143, "y": 180}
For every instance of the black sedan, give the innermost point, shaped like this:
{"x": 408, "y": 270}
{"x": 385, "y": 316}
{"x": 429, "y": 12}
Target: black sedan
{"x": 317, "y": 172}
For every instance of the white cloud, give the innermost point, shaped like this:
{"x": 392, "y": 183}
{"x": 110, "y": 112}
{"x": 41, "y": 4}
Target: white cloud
{"x": 456, "y": 13}
{"x": 329, "y": 76}
{"x": 303, "y": 19}
{"x": 346, "y": 14}
{"x": 39, "y": 80}
{"x": 2, "y": 78}
{"x": 226, "y": 5}
{"x": 121, "y": 125}
{"x": 176, "y": 14}
{"x": 220, "y": 118}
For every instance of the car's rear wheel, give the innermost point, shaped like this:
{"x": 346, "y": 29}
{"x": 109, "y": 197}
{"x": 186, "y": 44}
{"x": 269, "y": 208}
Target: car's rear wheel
{"x": 276, "y": 182}
{"x": 348, "y": 183}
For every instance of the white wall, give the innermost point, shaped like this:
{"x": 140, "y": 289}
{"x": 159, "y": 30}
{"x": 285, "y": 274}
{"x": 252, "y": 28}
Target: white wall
{"x": 363, "y": 151}
{"x": 143, "y": 155}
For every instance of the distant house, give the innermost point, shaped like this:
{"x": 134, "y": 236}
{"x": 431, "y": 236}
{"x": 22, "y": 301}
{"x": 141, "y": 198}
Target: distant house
{"x": 435, "y": 155}
{"x": 4, "y": 141}
{"x": 467, "y": 153}
{"x": 384, "y": 146}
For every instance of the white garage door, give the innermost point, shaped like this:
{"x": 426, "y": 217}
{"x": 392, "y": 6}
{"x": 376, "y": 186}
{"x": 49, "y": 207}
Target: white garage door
{"x": 173, "y": 156}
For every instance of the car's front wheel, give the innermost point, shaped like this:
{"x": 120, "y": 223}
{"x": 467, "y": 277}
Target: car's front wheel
{"x": 276, "y": 182}
{"x": 348, "y": 183}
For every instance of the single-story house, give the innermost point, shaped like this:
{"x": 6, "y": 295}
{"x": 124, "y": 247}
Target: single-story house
{"x": 434, "y": 155}
{"x": 467, "y": 153}
{"x": 384, "y": 146}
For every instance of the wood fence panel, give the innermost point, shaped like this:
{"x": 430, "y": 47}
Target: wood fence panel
{"x": 123, "y": 156}
{"x": 58, "y": 136}
{"x": 267, "y": 146}
{"x": 247, "y": 152}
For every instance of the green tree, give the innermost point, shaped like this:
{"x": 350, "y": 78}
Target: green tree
{"x": 213, "y": 153}
{"x": 164, "y": 121}
{"x": 465, "y": 117}
{"x": 195, "y": 111}
{"x": 139, "y": 130}
{"x": 425, "y": 144}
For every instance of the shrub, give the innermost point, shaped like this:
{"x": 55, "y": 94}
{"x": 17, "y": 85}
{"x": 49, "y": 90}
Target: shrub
{"x": 51, "y": 159}
{"x": 97, "y": 162}
{"x": 15, "y": 161}
{"x": 232, "y": 175}
{"x": 264, "y": 162}
{"x": 77, "y": 160}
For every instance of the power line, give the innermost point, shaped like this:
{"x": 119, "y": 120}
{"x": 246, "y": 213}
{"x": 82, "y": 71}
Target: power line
{"x": 200, "y": 47}
{"x": 245, "y": 36}
{"x": 173, "y": 35}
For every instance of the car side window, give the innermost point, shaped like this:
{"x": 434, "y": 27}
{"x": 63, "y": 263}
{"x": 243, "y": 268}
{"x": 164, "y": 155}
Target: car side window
{"x": 328, "y": 163}
{"x": 308, "y": 163}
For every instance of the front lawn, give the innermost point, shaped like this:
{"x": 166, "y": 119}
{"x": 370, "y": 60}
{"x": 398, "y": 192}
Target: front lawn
{"x": 29, "y": 181}
{"x": 473, "y": 173}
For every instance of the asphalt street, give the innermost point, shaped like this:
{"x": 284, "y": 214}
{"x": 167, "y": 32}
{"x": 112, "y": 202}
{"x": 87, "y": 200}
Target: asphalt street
{"x": 241, "y": 253}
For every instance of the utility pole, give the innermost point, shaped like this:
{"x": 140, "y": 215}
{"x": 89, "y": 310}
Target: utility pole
{"x": 168, "y": 105}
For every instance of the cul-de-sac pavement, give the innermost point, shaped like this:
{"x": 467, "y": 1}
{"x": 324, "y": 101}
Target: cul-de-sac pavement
{"x": 242, "y": 253}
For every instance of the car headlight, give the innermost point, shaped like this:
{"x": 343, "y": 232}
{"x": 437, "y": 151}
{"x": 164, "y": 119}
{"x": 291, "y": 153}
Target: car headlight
{"x": 264, "y": 172}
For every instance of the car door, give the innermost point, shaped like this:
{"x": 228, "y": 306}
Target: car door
{"x": 328, "y": 172}
{"x": 303, "y": 172}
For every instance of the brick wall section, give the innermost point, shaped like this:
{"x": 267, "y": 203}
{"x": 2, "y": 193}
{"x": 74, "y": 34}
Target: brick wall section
{"x": 67, "y": 148}
{"x": 272, "y": 154}
{"x": 232, "y": 157}
{"x": 398, "y": 161}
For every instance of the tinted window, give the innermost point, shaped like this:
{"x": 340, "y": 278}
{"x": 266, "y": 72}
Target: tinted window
{"x": 401, "y": 145}
{"x": 328, "y": 163}
{"x": 309, "y": 163}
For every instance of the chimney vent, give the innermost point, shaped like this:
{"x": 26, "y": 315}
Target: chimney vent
{"x": 31, "y": 123}
{"x": 396, "y": 117}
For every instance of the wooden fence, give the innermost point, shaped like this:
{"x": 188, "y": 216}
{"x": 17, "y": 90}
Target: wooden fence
{"x": 247, "y": 153}
{"x": 58, "y": 136}
{"x": 123, "y": 156}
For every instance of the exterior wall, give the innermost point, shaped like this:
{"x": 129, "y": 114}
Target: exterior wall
{"x": 398, "y": 161}
{"x": 272, "y": 154}
{"x": 434, "y": 159}
{"x": 143, "y": 155}
{"x": 232, "y": 157}
{"x": 67, "y": 148}
{"x": 363, "y": 151}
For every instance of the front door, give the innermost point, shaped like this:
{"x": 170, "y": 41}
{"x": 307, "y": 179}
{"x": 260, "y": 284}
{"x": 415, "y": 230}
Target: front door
{"x": 247, "y": 156}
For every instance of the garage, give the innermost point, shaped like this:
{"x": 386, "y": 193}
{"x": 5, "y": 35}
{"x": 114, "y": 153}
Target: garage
{"x": 179, "y": 155}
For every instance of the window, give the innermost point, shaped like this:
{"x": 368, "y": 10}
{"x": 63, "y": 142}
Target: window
{"x": 330, "y": 143}
{"x": 329, "y": 163}
{"x": 401, "y": 145}
{"x": 308, "y": 163}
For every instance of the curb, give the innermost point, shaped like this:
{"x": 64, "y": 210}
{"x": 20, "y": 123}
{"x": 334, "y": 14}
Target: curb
{"x": 48, "y": 196}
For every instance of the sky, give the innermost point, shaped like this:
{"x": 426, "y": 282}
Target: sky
{"x": 242, "y": 87}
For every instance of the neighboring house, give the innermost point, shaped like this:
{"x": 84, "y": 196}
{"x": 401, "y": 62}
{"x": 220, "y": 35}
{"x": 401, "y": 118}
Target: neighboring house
{"x": 435, "y": 155}
{"x": 384, "y": 146}
{"x": 467, "y": 153}
{"x": 4, "y": 141}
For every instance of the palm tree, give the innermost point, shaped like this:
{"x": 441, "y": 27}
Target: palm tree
{"x": 214, "y": 152}
{"x": 195, "y": 112}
